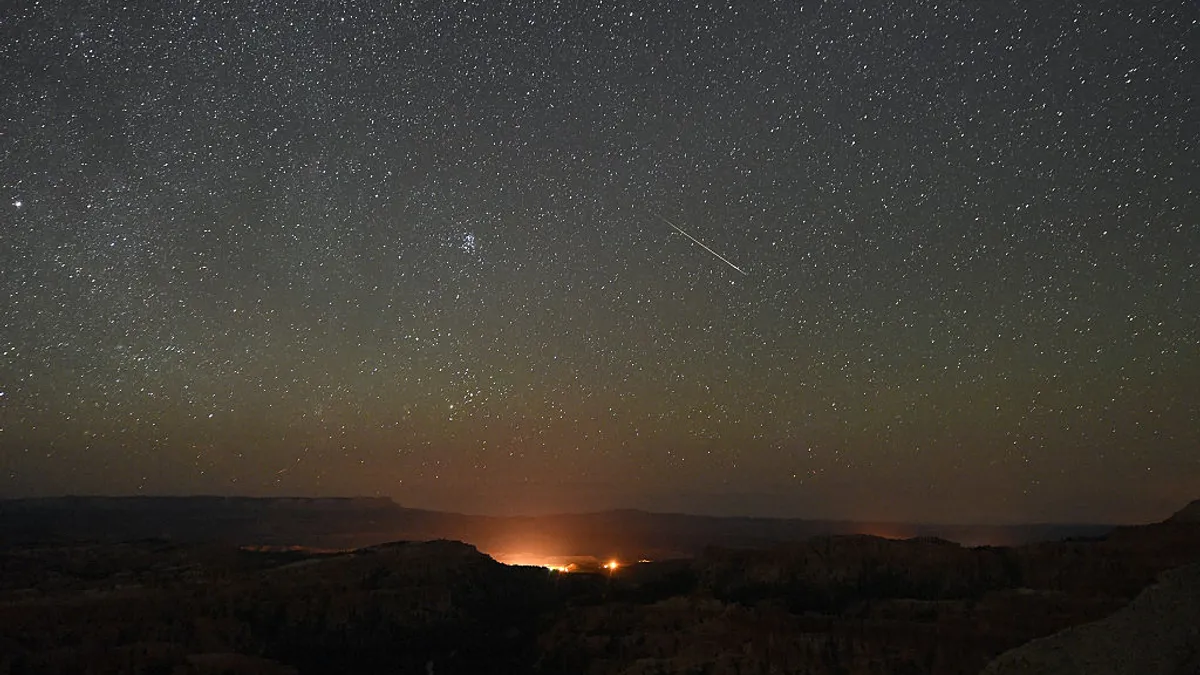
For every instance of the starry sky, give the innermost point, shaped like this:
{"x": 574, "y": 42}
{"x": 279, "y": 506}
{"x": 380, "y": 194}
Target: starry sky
{"x": 428, "y": 250}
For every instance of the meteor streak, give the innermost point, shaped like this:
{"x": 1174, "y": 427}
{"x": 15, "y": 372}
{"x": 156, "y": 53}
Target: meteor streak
{"x": 701, "y": 244}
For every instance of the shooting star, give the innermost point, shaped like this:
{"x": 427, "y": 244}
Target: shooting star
{"x": 701, "y": 244}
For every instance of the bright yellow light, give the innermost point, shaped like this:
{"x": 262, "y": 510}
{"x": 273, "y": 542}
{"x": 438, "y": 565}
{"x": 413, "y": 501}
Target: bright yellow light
{"x": 611, "y": 565}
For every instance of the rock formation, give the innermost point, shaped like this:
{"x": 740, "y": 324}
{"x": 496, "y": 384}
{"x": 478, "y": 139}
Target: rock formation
{"x": 830, "y": 604}
{"x": 1156, "y": 634}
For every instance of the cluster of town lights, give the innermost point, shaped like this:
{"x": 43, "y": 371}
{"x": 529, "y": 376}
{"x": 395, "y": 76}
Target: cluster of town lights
{"x": 610, "y": 566}
{"x": 564, "y": 566}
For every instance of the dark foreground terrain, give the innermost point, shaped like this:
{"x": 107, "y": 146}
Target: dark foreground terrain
{"x": 830, "y": 604}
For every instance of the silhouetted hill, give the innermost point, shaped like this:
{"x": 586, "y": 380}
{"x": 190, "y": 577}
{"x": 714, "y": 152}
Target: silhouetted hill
{"x": 1188, "y": 514}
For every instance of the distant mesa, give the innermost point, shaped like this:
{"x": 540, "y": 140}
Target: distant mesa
{"x": 434, "y": 547}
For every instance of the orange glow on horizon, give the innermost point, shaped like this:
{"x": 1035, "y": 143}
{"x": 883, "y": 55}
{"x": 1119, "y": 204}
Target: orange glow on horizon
{"x": 562, "y": 563}
{"x": 526, "y": 560}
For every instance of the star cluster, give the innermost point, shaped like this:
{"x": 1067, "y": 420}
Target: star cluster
{"x": 420, "y": 249}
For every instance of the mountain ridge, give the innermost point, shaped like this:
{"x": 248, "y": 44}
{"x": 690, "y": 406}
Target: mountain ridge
{"x": 349, "y": 522}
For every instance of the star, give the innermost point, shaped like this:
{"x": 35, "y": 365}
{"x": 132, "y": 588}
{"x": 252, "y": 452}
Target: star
{"x": 888, "y": 263}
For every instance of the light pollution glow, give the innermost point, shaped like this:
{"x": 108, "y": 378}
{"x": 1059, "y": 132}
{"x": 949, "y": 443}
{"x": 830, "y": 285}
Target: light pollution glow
{"x": 563, "y": 564}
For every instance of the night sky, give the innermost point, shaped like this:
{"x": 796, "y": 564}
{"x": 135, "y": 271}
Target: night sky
{"x": 425, "y": 250}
